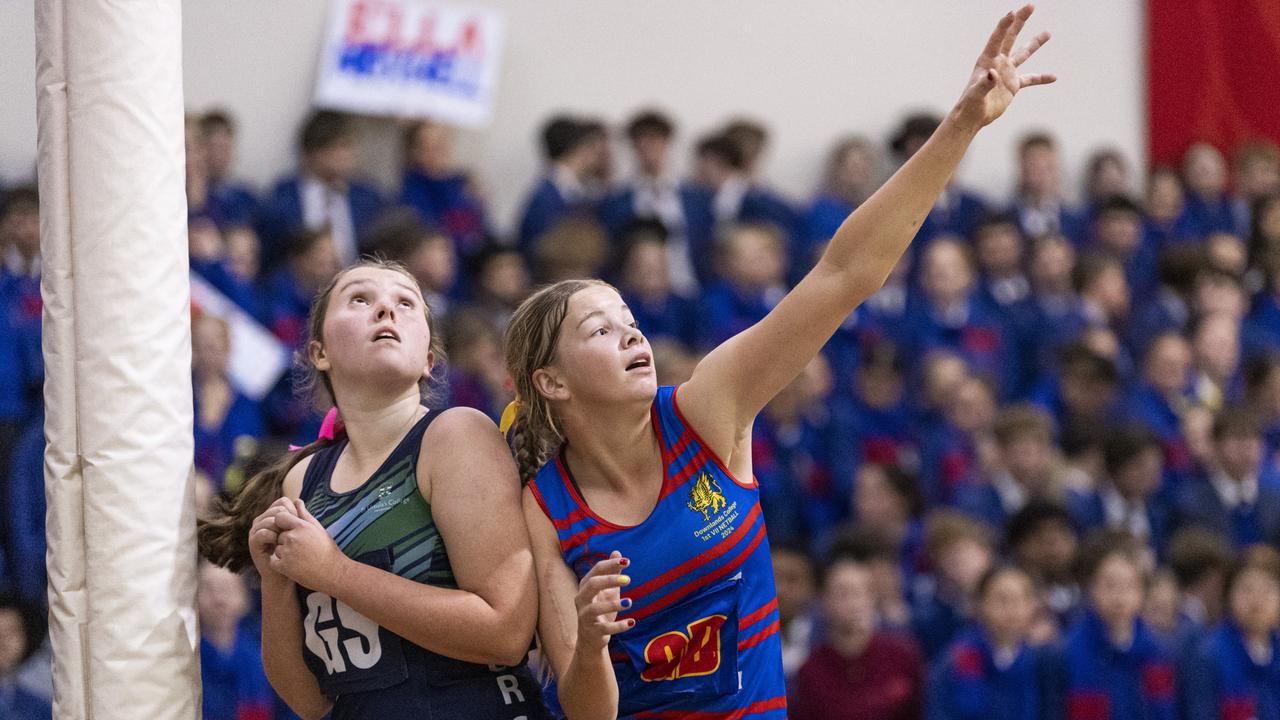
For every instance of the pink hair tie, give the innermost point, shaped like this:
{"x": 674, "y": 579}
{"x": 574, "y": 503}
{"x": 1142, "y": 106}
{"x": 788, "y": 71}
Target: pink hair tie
{"x": 329, "y": 428}
{"x": 331, "y": 425}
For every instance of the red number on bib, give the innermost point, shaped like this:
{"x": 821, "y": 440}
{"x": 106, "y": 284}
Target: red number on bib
{"x": 674, "y": 654}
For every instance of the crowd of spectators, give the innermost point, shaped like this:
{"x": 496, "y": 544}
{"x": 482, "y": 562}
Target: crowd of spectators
{"x": 1036, "y": 474}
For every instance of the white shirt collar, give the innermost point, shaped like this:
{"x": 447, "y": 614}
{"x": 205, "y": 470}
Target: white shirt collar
{"x": 1125, "y": 514}
{"x": 952, "y": 316}
{"x": 889, "y": 299}
{"x": 17, "y": 265}
{"x": 1013, "y": 496}
{"x": 324, "y": 205}
{"x": 1235, "y": 493}
{"x": 567, "y": 183}
{"x": 1010, "y": 290}
{"x": 728, "y": 199}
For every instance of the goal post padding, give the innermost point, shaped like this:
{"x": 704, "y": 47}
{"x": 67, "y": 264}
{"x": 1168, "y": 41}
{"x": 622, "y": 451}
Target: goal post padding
{"x": 118, "y": 359}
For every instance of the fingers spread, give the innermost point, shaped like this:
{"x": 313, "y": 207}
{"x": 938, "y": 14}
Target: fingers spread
{"x": 592, "y": 586}
{"x": 610, "y": 566}
{"x": 606, "y": 606}
{"x": 1041, "y": 79}
{"x": 997, "y": 36}
{"x": 1030, "y": 48}
{"x": 1011, "y": 35}
{"x": 617, "y": 626}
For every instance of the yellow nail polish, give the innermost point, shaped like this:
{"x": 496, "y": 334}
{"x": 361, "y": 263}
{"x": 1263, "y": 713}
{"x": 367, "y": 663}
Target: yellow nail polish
{"x": 626, "y": 579}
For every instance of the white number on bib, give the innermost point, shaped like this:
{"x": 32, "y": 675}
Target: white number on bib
{"x": 322, "y": 627}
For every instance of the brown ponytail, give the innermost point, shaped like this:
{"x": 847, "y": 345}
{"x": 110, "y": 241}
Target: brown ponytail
{"x": 224, "y": 537}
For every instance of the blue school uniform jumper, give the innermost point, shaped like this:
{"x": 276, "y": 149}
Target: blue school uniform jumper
{"x": 231, "y": 203}
{"x": 675, "y": 317}
{"x": 233, "y": 682}
{"x": 21, "y": 303}
{"x": 544, "y": 207}
{"x": 446, "y": 202}
{"x": 281, "y": 216}
{"x": 803, "y": 471}
{"x": 1198, "y": 503}
{"x": 705, "y": 643}
{"x": 1226, "y": 683}
{"x": 969, "y": 684}
{"x": 699, "y": 223}
{"x": 1104, "y": 682}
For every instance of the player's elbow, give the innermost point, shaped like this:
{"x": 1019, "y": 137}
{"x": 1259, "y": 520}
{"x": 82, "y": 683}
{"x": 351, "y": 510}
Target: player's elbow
{"x": 510, "y": 652}
{"x": 313, "y": 713}
{"x": 303, "y": 704}
{"x": 306, "y": 702}
{"x": 857, "y": 282}
{"x": 513, "y": 635}
{"x": 513, "y": 658}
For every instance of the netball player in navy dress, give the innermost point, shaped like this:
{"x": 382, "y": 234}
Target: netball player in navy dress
{"x": 657, "y": 596}
{"x": 397, "y": 579}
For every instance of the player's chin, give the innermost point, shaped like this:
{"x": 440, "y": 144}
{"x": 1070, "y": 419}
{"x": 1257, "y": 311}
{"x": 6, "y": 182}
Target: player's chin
{"x": 388, "y": 373}
{"x": 643, "y": 384}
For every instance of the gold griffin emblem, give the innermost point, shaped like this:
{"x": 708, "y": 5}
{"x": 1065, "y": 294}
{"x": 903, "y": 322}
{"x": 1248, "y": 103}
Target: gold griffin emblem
{"x": 706, "y": 496}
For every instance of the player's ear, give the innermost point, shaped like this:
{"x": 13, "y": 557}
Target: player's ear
{"x": 320, "y": 361}
{"x": 550, "y": 384}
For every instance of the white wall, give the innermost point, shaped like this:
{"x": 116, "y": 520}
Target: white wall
{"x": 812, "y": 70}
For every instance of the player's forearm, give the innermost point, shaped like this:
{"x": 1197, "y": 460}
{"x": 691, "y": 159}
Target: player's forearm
{"x": 454, "y": 623}
{"x": 589, "y": 690}
{"x": 873, "y": 238}
{"x": 282, "y": 651}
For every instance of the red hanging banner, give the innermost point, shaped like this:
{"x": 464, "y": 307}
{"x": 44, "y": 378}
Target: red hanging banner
{"x": 1213, "y": 74}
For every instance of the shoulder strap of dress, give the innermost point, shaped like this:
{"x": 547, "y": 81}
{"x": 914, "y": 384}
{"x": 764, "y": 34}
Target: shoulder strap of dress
{"x": 412, "y": 442}
{"x": 550, "y": 490}
{"x": 320, "y": 469}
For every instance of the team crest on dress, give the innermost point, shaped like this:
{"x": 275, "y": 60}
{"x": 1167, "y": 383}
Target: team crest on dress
{"x": 706, "y": 496}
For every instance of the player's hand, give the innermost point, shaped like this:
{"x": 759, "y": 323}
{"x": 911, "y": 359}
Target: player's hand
{"x": 598, "y": 602}
{"x": 995, "y": 79}
{"x": 304, "y": 552}
{"x": 263, "y": 536}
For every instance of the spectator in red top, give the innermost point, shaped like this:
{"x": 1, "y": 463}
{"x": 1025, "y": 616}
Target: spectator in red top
{"x": 859, "y": 673}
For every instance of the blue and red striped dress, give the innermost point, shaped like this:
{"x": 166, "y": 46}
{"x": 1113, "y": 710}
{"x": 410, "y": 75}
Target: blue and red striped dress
{"x": 705, "y": 643}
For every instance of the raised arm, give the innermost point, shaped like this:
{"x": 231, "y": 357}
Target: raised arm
{"x": 735, "y": 381}
{"x": 476, "y": 506}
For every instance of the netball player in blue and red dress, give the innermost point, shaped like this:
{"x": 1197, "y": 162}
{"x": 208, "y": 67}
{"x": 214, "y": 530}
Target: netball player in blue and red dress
{"x": 657, "y": 596}
{"x": 396, "y": 575}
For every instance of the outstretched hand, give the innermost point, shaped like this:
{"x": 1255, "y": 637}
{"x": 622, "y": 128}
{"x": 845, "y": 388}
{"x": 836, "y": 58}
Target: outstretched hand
{"x": 995, "y": 79}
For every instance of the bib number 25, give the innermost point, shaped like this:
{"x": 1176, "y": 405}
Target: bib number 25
{"x": 323, "y": 625}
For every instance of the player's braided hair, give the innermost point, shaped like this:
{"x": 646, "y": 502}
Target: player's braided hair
{"x": 531, "y": 344}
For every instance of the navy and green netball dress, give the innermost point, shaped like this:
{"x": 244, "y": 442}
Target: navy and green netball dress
{"x": 369, "y": 671}
{"x": 706, "y": 634}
